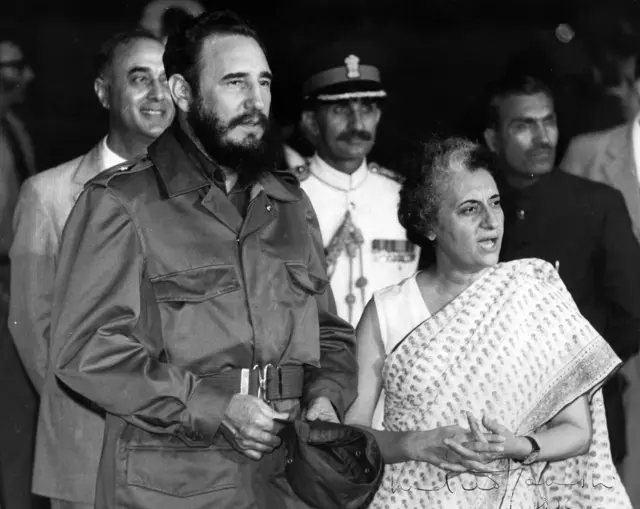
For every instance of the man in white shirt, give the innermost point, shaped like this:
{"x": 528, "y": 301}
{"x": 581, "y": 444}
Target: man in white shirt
{"x": 356, "y": 201}
{"x": 132, "y": 86}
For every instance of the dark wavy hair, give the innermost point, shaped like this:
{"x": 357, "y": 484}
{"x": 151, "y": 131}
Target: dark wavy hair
{"x": 421, "y": 192}
{"x": 184, "y": 46}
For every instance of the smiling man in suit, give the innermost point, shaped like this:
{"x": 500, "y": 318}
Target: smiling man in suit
{"x": 132, "y": 86}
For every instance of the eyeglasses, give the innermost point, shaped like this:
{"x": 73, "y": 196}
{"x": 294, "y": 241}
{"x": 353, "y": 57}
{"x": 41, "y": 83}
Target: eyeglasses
{"x": 19, "y": 65}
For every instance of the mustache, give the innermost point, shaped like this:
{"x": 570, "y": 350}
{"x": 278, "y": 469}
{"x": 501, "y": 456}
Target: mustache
{"x": 543, "y": 147}
{"x": 355, "y": 134}
{"x": 251, "y": 117}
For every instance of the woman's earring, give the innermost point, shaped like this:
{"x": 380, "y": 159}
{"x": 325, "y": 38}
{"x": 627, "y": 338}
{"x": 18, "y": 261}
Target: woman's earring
{"x": 431, "y": 237}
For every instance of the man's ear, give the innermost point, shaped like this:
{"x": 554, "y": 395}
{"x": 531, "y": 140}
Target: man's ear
{"x": 310, "y": 123}
{"x": 491, "y": 139}
{"x": 101, "y": 88}
{"x": 181, "y": 92}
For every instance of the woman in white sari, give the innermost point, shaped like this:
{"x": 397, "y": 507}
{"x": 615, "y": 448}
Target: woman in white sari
{"x": 469, "y": 337}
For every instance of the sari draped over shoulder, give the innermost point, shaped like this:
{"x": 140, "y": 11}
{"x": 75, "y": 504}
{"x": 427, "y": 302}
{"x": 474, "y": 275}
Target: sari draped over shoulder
{"x": 514, "y": 347}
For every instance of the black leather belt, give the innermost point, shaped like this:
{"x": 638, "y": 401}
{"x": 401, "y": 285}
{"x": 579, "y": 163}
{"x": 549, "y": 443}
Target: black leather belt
{"x": 270, "y": 382}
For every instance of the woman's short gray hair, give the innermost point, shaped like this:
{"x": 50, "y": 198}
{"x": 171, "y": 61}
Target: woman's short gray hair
{"x": 421, "y": 192}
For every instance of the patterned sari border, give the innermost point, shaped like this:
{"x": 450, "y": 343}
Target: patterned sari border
{"x": 588, "y": 372}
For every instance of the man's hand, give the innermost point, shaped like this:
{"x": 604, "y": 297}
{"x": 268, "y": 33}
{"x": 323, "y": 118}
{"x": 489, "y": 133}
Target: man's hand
{"x": 249, "y": 425}
{"x": 321, "y": 409}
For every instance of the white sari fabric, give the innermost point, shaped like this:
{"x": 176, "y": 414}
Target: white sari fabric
{"x": 514, "y": 347}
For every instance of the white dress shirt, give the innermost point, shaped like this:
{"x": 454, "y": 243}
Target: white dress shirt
{"x": 108, "y": 156}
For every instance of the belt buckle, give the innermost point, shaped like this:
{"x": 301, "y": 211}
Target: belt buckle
{"x": 262, "y": 380}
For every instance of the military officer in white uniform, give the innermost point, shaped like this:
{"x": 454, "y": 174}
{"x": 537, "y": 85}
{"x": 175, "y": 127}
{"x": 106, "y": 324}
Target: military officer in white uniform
{"x": 356, "y": 201}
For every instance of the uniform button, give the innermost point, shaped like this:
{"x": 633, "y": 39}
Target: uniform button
{"x": 361, "y": 282}
{"x": 521, "y": 214}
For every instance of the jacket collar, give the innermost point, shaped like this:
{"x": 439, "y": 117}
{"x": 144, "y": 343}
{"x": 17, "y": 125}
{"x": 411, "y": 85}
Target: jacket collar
{"x": 180, "y": 174}
{"x": 335, "y": 178}
{"x": 281, "y": 186}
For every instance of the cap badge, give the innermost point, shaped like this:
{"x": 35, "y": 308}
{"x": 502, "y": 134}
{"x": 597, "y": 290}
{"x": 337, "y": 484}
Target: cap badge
{"x": 353, "y": 67}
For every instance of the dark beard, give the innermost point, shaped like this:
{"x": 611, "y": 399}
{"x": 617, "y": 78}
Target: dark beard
{"x": 249, "y": 159}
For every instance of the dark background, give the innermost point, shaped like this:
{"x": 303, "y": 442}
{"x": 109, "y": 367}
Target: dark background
{"x": 435, "y": 56}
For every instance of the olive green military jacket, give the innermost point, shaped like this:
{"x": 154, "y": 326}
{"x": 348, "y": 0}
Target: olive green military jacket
{"x": 161, "y": 284}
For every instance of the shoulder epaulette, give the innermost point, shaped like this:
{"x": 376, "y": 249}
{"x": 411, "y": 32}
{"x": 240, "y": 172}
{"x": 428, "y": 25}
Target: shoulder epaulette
{"x": 385, "y": 172}
{"x": 302, "y": 172}
{"x": 129, "y": 166}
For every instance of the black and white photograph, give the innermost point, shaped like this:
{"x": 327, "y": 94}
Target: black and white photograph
{"x": 320, "y": 254}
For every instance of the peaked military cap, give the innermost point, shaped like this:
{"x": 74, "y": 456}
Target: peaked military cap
{"x": 340, "y": 72}
{"x": 331, "y": 465}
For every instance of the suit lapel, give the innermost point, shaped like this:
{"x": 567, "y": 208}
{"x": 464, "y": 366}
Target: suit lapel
{"x": 619, "y": 170}
{"x": 88, "y": 167}
{"x": 221, "y": 207}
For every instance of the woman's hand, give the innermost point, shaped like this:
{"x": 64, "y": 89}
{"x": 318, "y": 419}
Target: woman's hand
{"x": 474, "y": 455}
{"x": 431, "y": 446}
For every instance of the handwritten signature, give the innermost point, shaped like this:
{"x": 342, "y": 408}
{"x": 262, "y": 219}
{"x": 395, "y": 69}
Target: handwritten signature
{"x": 490, "y": 484}
{"x": 546, "y": 505}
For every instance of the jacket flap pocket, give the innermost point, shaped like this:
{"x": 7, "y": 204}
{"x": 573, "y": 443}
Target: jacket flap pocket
{"x": 185, "y": 472}
{"x": 303, "y": 278}
{"x": 196, "y": 285}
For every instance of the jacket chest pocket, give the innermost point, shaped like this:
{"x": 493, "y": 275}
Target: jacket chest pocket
{"x": 303, "y": 282}
{"x": 195, "y": 285}
{"x": 192, "y": 304}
